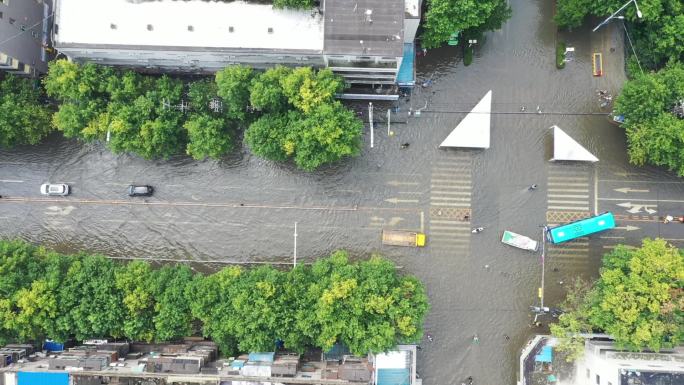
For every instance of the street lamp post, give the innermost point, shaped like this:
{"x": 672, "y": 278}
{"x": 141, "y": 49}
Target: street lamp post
{"x": 639, "y": 14}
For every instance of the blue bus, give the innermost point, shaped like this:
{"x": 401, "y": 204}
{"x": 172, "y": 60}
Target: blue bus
{"x": 580, "y": 228}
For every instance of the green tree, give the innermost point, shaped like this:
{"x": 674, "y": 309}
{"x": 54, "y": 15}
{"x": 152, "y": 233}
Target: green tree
{"x": 211, "y": 303}
{"x": 637, "y": 300}
{"x": 306, "y": 90}
{"x": 657, "y": 34}
{"x": 329, "y": 133}
{"x": 82, "y": 91}
{"x": 90, "y": 304}
{"x": 208, "y": 137}
{"x": 654, "y": 133}
{"x": 267, "y": 135}
{"x": 233, "y": 85}
{"x": 257, "y": 306}
{"x": 24, "y": 118}
{"x": 632, "y": 293}
{"x": 266, "y": 92}
{"x": 444, "y": 17}
{"x": 575, "y": 319}
{"x": 296, "y": 4}
{"x": 133, "y": 280}
{"x": 173, "y": 318}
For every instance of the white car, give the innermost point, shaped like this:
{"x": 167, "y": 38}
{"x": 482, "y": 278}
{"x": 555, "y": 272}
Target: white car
{"x": 60, "y": 189}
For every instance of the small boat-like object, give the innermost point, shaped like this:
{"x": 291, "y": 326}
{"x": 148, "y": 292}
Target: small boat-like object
{"x": 519, "y": 241}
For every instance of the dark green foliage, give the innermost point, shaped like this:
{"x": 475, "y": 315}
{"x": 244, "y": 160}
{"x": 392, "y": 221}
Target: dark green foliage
{"x": 560, "y": 55}
{"x": 24, "y": 119}
{"x": 293, "y": 112}
{"x": 657, "y": 36}
{"x": 467, "y": 55}
{"x": 638, "y": 300}
{"x": 365, "y": 305}
{"x": 293, "y": 3}
{"x": 654, "y": 133}
{"x": 444, "y": 17}
{"x": 301, "y": 120}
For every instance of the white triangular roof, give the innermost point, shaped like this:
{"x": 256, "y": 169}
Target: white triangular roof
{"x": 566, "y": 148}
{"x": 473, "y": 130}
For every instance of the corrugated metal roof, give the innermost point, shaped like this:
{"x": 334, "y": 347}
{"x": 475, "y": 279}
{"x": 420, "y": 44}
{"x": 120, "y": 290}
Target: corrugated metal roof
{"x": 261, "y": 357}
{"x": 364, "y": 27}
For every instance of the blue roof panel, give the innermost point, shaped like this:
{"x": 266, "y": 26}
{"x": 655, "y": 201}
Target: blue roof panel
{"x": 407, "y": 73}
{"x": 394, "y": 377}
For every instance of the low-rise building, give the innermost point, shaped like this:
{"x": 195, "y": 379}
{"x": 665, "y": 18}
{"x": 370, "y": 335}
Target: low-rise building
{"x": 601, "y": 364}
{"x": 25, "y": 27}
{"x": 365, "y": 41}
{"x": 604, "y": 364}
{"x": 195, "y": 362}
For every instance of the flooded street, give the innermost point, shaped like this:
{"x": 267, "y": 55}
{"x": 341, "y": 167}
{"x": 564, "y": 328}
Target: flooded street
{"x": 243, "y": 209}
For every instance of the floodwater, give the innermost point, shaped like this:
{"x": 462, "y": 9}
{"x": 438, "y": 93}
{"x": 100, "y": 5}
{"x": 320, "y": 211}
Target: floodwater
{"x": 243, "y": 209}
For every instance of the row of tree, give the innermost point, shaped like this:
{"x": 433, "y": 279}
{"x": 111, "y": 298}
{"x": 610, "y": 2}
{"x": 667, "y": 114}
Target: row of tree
{"x": 365, "y": 305}
{"x": 638, "y": 300}
{"x": 291, "y": 114}
{"x": 658, "y": 34}
{"x": 655, "y": 127}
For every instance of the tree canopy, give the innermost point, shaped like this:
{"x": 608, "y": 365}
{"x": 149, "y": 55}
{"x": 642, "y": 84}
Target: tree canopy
{"x": 291, "y": 113}
{"x": 365, "y": 305}
{"x": 24, "y": 117}
{"x": 444, "y": 17}
{"x": 655, "y": 134}
{"x": 300, "y": 119}
{"x": 657, "y": 36}
{"x": 638, "y": 300}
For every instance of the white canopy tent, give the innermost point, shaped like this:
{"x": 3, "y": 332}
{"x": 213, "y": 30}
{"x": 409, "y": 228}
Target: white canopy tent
{"x": 473, "y": 130}
{"x": 566, "y": 148}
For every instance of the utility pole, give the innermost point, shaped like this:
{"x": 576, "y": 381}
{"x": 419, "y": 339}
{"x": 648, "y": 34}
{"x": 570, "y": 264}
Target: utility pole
{"x": 295, "y": 247}
{"x": 389, "y": 133}
{"x": 370, "y": 119}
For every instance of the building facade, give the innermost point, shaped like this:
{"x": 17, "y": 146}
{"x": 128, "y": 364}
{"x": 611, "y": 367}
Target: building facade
{"x": 25, "y": 27}
{"x": 365, "y": 41}
{"x": 604, "y": 364}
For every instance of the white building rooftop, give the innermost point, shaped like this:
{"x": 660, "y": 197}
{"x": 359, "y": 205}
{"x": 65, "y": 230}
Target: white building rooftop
{"x": 194, "y": 23}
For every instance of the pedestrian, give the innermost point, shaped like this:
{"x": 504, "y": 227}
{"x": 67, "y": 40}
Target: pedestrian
{"x": 538, "y": 324}
{"x": 476, "y": 339}
{"x": 466, "y": 217}
{"x": 429, "y": 337}
{"x": 418, "y": 347}
{"x": 507, "y": 337}
{"x": 555, "y": 270}
{"x": 522, "y": 109}
{"x": 539, "y": 109}
{"x": 424, "y": 51}
{"x": 533, "y": 187}
{"x": 561, "y": 282}
{"x": 681, "y": 219}
{"x": 405, "y": 145}
{"x": 668, "y": 219}
{"x": 470, "y": 380}
{"x": 242, "y": 204}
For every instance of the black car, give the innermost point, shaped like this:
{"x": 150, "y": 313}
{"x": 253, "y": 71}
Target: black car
{"x": 140, "y": 191}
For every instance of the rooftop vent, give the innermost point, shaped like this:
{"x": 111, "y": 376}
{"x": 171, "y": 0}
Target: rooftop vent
{"x": 112, "y": 26}
{"x": 231, "y": 29}
{"x": 191, "y": 28}
{"x": 270, "y": 30}
{"x": 149, "y": 27}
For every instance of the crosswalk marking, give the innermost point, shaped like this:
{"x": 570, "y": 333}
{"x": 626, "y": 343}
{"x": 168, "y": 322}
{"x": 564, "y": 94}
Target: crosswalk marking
{"x": 450, "y": 189}
{"x": 568, "y": 196}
